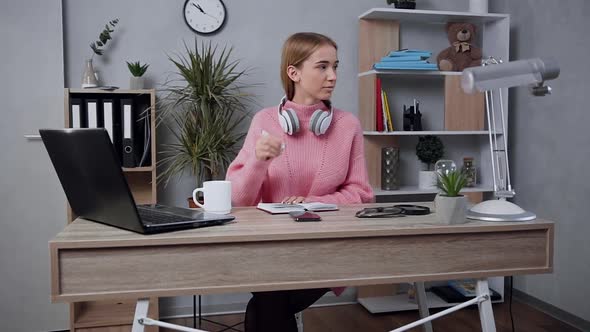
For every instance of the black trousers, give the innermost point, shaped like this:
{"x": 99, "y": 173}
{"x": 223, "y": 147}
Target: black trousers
{"x": 275, "y": 311}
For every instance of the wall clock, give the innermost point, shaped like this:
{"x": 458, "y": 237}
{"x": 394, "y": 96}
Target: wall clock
{"x": 204, "y": 16}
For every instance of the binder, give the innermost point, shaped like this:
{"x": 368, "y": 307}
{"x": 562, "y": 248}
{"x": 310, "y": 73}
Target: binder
{"x": 93, "y": 119}
{"x": 403, "y": 58}
{"x": 76, "y": 113}
{"x": 127, "y": 142}
{"x": 109, "y": 118}
{"x": 406, "y": 52}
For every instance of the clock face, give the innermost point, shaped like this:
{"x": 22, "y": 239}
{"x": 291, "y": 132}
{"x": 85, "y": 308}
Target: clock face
{"x": 204, "y": 16}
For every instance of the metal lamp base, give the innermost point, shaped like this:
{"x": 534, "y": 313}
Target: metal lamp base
{"x": 499, "y": 210}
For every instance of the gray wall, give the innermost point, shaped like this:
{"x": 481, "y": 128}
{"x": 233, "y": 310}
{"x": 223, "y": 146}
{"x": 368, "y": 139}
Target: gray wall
{"x": 549, "y": 143}
{"x": 151, "y": 30}
{"x": 32, "y": 204}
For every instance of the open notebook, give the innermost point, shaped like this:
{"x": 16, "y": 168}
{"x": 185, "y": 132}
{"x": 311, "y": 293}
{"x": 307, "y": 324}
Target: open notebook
{"x": 277, "y": 208}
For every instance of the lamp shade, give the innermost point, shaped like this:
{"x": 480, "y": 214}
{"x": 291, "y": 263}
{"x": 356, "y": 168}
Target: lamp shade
{"x": 509, "y": 74}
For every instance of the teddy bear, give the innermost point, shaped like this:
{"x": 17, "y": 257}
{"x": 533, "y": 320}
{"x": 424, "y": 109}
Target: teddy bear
{"x": 461, "y": 54}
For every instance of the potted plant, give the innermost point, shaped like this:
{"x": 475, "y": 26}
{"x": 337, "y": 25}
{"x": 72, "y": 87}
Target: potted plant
{"x": 89, "y": 77}
{"x": 403, "y": 4}
{"x": 429, "y": 150}
{"x": 137, "y": 70}
{"x": 203, "y": 106}
{"x": 449, "y": 203}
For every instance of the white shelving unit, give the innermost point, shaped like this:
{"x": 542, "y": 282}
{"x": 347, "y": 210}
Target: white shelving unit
{"x": 431, "y": 132}
{"x": 382, "y": 73}
{"x": 382, "y": 30}
{"x": 414, "y": 190}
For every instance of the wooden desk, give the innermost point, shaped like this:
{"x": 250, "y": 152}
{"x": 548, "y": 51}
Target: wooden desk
{"x": 260, "y": 252}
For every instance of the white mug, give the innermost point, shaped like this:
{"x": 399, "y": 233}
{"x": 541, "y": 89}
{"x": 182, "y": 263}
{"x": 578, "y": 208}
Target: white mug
{"x": 217, "y": 196}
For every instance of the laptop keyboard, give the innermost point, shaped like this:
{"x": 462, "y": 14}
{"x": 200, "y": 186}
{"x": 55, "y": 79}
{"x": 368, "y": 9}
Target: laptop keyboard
{"x": 155, "y": 217}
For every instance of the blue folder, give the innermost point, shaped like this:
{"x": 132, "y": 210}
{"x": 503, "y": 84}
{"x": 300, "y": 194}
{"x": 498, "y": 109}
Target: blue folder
{"x": 405, "y": 52}
{"x": 403, "y": 58}
{"x": 393, "y": 65}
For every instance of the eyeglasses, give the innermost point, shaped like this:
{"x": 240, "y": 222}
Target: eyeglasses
{"x": 399, "y": 210}
{"x": 380, "y": 212}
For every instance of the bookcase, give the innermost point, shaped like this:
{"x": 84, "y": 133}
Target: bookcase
{"x": 455, "y": 117}
{"x": 117, "y": 315}
{"x": 447, "y": 112}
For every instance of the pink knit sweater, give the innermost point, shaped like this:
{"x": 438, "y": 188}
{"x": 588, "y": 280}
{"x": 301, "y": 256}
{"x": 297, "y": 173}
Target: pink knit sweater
{"x": 329, "y": 168}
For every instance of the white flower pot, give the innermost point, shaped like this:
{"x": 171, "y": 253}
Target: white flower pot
{"x": 136, "y": 83}
{"x": 427, "y": 180}
{"x": 478, "y": 6}
{"x": 450, "y": 210}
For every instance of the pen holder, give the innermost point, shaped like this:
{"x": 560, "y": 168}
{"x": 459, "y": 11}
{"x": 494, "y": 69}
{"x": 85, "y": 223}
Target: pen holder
{"x": 389, "y": 168}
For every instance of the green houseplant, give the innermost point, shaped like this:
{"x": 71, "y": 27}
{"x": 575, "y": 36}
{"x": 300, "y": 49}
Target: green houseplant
{"x": 450, "y": 204}
{"x": 137, "y": 71}
{"x": 428, "y": 150}
{"x": 89, "y": 77}
{"x": 203, "y": 106}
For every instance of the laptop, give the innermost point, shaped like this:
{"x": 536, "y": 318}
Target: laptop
{"x": 93, "y": 181}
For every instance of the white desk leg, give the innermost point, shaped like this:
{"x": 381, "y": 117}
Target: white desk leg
{"x": 141, "y": 311}
{"x": 486, "y": 314}
{"x": 141, "y": 319}
{"x": 423, "y": 305}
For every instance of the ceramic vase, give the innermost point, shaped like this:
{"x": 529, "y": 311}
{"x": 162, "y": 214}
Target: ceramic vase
{"x": 389, "y": 168}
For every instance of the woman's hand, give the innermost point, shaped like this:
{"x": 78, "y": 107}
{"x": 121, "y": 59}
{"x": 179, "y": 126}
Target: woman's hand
{"x": 293, "y": 200}
{"x": 268, "y": 147}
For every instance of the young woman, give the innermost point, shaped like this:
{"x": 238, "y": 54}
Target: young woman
{"x": 303, "y": 150}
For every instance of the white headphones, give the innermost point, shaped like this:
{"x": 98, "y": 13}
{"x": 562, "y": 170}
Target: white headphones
{"x": 318, "y": 124}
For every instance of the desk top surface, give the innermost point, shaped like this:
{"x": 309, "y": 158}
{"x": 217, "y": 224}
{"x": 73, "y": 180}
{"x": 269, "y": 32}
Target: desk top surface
{"x": 252, "y": 224}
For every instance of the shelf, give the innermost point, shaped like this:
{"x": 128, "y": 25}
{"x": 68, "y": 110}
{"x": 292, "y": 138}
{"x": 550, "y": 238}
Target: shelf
{"x": 429, "y": 16}
{"x": 401, "y": 302}
{"x": 138, "y": 169}
{"x": 424, "y": 133}
{"x": 414, "y": 190}
{"x": 105, "y": 313}
{"x": 410, "y": 72}
{"x": 119, "y": 91}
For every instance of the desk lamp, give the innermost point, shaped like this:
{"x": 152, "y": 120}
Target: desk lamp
{"x": 491, "y": 77}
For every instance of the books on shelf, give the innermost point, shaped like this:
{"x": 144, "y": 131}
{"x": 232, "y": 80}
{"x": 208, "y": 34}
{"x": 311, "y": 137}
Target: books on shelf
{"x": 408, "y": 52}
{"x": 450, "y": 295}
{"x": 405, "y": 66}
{"x": 278, "y": 208}
{"x": 403, "y": 58}
{"x": 383, "y": 119}
{"x": 465, "y": 287}
{"x": 406, "y": 59}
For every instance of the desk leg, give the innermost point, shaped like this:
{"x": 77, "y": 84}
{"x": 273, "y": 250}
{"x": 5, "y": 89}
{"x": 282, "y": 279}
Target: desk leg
{"x": 140, "y": 319}
{"x": 423, "y": 305}
{"x": 486, "y": 314}
{"x": 141, "y": 311}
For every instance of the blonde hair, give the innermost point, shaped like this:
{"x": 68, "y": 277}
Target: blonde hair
{"x": 297, "y": 48}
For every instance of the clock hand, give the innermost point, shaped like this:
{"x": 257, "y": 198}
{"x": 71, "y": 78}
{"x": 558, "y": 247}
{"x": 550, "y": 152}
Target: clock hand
{"x": 213, "y": 17}
{"x": 199, "y": 8}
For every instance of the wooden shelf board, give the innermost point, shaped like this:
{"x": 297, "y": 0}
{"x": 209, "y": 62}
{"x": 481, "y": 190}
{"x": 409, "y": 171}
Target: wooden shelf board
{"x": 138, "y": 169}
{"x": 423, "y": 133}
{"x": 414, "y": 190}
{"x": 429, "y": 16}
{"x": 410, "y": 72}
